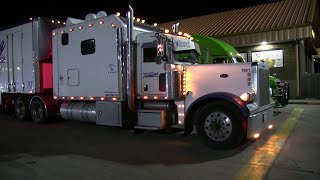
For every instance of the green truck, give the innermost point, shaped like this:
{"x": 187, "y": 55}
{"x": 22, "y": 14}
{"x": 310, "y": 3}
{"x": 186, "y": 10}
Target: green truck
{"x": 216, "y": 51}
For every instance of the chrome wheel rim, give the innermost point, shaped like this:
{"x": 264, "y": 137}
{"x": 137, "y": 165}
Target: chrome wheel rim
{"x": 37, "y": 112}
{"x": 20, "y": 109}
{"x": 218, "y": 126}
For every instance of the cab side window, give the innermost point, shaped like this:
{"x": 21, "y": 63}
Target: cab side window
{"x": 149, "y": 52}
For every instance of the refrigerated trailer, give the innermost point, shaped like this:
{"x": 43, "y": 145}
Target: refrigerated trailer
{"x": 114, "y": 71}
{"x": 26, "y": 69}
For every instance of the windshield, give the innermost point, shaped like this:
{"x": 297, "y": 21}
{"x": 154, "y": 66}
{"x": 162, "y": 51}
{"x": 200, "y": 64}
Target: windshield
{"x": 186, "y": 56}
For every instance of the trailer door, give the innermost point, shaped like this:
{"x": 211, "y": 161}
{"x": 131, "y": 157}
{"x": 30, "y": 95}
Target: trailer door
{"x": 15, "y": 59}
{"x": 4, "y": 64}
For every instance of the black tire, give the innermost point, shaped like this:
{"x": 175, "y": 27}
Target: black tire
{"x": 38, "y": 110}
{"x": 221, "y": 126}
{"x": 21, "y": 109}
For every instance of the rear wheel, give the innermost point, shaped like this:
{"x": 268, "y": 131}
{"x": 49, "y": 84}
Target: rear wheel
{"x": 38, "y": 110}
{"x": 21, "y": 110}
{"x": 221, "y": 125}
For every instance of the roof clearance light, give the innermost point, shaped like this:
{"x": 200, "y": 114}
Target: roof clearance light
{"x": 155, "y": 97}
{"x": 166, "y": 31}
{"x": 138, "y": 19}
{"x": 31, "y": 19}
{"x": 55, "y": 97}
{"x": 71, "y": 29}
{"x": 113, "y": 26}
{"x": 133, "y": 18}
{"x": 118, "y": 14}
{"x": 53, "y": 34}
{"x": 90, "y": 25}
{"x": 52, "y": 21}
{"x": 91, "y": 98}
{"x": 185, "y": 34}
{"x": 270, "y": 126}
{"x": 180, "y": 33}
{"x": 263, "y": 43}
{"x": 82, "y": 98}
{"x": 102, "y": 98}
{"x": 58, "y": 22}
{"x": 62, "y": 32}
{"x": 101, "y": 22}
{"x": 155, "y": 24}
{"x": 145, "y": 97}
{"x": 114, "y": 99}
{"x": 64, "y": 23}
{"x": 80, "y": 27}
{"x": 191, "y": 38}
{"x": 71, "y": 97}
{"x": 143, "y": 21}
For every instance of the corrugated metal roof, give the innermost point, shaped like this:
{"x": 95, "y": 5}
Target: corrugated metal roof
{"x": 267, "y": 17}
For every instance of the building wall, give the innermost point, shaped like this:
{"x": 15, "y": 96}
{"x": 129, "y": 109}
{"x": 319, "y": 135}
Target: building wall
{"x": 289, "y": 72}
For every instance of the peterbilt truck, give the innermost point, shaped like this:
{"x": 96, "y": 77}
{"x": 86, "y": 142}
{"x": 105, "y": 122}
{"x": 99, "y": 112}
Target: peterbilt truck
{"x": 115, "y": 71}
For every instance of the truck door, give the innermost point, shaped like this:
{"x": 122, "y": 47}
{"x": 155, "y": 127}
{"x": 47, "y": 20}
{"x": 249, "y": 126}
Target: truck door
{"x": 152, "y": 76}
{"x": 15, "y": 62}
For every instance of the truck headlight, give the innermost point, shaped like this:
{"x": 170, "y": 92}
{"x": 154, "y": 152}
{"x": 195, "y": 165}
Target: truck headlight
{"x": 248, "y": 97}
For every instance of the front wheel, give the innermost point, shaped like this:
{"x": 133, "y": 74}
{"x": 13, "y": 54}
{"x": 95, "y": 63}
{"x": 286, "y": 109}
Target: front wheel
{"x": 38, "y": 110}
{"x": 221, "y": 125}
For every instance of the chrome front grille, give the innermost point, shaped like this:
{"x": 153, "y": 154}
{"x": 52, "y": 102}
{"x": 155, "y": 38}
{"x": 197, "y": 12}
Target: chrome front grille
{"x": 264, "y": 93}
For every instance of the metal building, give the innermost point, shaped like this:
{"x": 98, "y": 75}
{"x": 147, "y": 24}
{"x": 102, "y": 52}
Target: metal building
{"x": 284, "y": 34}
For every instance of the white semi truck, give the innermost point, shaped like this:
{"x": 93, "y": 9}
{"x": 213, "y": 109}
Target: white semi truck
{"x": 115, "y": 71}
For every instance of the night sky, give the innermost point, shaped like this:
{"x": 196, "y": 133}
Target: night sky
{"x": 152, "y": 10}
